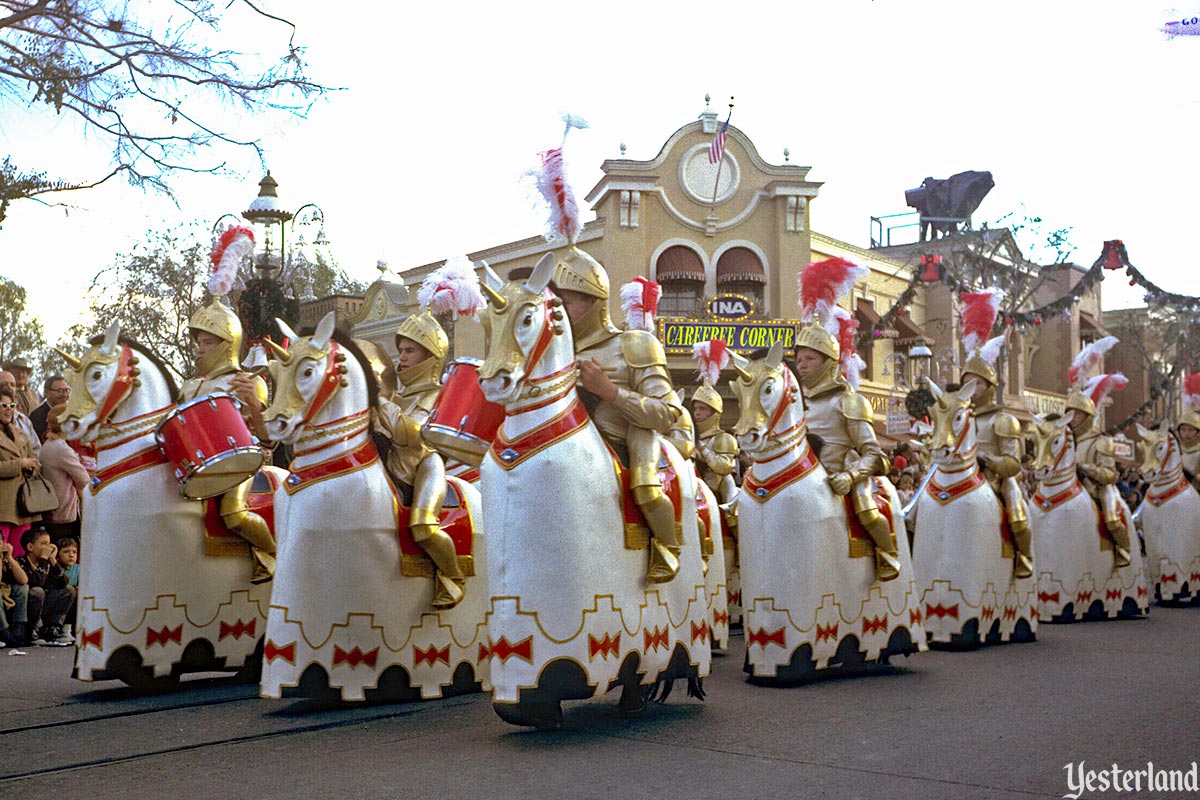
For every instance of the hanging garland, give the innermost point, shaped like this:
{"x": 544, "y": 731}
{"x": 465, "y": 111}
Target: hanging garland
{"x": 260, "y": 303}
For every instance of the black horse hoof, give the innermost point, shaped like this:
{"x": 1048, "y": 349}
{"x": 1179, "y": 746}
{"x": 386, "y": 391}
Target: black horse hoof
{"x": 545, "y": 716}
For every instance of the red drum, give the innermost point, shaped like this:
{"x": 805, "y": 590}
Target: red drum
{"x": 463, "y": 423}
{"x": 208, "y": 442}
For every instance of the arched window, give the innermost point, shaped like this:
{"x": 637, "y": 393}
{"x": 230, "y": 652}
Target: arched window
{"x": 681, "y": 273}
{"x": 740, "y": 271}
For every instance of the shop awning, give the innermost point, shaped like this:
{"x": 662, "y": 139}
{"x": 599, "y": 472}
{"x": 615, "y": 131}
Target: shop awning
{"x": 739, "y": 264}
{"x": 868, "y": 318}
{"x": 679, "y": 263}
{"x": 909, "y": 332}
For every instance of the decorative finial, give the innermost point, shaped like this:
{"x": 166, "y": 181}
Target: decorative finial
{"x": 707, "y": 100}
{"x": 787, "y": 154}
{"x": 383, "y": 268}
{"x": 622, "y": 149}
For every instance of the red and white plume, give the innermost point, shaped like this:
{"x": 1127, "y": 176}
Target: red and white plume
{"x": 823, "y": 283}
{"x": 452, "y": 287}
{"x": 1191, "y": 391}
{"x": 552, "y": 184}
{"x": 1101, "y": 386}
{"x": 1088, "y": 360}
{"x": 639, "y": 301}
{"x": 990, "y": 350}
{"x": 842, "y": 327}
{"x": 712, "y": 357}
{"x": 230, "y": 249}
{"x": 979, "y": 313}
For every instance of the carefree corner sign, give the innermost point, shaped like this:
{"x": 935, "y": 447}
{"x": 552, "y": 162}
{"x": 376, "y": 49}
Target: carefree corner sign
{"x": 678, "y": 336}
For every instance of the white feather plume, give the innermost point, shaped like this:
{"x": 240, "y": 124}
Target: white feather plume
{"x": 452, "y": 287}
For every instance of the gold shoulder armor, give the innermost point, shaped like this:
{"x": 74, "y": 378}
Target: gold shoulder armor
{"x": 1006, "y": 426}
{"x": 855, "y": 406}
{"x": 642, "y": 349}
{"x": 1105, "y": 447}
{"x": 260, "y": 388}
{"x": 724, "y": 444}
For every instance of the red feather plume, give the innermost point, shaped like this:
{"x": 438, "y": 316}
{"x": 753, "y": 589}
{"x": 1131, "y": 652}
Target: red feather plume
{"x": 1191, "y": 389}
{"x": 712, "y": 356}
{"x": 823, "y": 283}
{"x": 979, "y": 313}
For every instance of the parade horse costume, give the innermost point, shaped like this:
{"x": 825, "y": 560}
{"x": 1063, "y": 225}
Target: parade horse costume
{"x": 709, "y": 517}
{"x": 152, "y": 604}
{"x": 962, "y": 552}
{"x": 572, "y": 615}
{"x": 344, "y": 615}
{"x": 811, "y": 600}
{"x": 1170, "y": 518}
{"x": 1076, "y": 575}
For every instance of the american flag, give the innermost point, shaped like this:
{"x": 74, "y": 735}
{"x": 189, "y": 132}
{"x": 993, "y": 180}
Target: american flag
{"x": 716, "y": 150}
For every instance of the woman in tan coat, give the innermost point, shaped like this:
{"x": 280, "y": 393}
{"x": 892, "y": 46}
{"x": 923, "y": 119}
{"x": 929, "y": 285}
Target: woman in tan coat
{"x": 16, "y": 461}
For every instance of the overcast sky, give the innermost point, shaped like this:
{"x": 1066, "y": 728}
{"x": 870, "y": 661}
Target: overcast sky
{"x": 1085, "y": 113}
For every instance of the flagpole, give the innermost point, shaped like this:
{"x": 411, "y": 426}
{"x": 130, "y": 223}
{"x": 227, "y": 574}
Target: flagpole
{"x": 721, "y": 163}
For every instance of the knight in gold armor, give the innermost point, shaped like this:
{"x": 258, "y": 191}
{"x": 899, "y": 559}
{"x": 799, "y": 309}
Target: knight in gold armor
{"x": 1000, "y": 445}
{"x": 628, "y": 391}
{"x": 1187, "y": 427}
{"x": 849, "y": 450}
{"x": 416, "y": 467}
{"x": 217, "y": 332}
{"x": 1095, "y": 457}
{"x": 716, "y": 451}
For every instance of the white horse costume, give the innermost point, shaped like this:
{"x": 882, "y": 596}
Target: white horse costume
{"x": 810, "y": 604}
{"x": 1076, "y": 576}
{"x": 152, "y": 604}
{"x": 343, "y": 616}
{"x": 714, "y": 579}
{"x": 1170, "y": 517}
{"x": 963, "y": 561}
{"x": 571, "y": 613}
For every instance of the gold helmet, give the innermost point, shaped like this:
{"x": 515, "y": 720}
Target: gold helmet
{"x": 1078, "y": 401}
{"x": 815, "y": 337}
{"x": 219, "y": 320}
{"x": 710, "y": 397}
{"x": 979, "y": 367}
{"x": 425, "y": 330}
{"x": 577, "y": 271}
{"x": 1189, "y": 415}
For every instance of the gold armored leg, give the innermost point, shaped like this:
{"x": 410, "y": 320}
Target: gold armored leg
{"x": 1018, "y": 523}
{"x": 887, "y": 553}
{"x": 1110, "y": 501}
{"x": 429, "y": 492}
{"x": 253, "y": 528}
{"x": 665, "y": 542}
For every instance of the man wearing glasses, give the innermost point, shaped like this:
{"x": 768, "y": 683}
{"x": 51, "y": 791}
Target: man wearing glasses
{"x": 57, "y": 390}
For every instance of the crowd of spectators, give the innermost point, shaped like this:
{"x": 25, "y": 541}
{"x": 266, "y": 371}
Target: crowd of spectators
{"x": 39, "y": 553}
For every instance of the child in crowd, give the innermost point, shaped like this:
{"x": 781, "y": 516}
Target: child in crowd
{"x": 51, "y": 597}
{"x": 68, "y": 559}
{"x": 14, "y": 599}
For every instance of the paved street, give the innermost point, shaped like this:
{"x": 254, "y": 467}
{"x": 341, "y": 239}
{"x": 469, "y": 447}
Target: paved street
{"x": 997, "y": 723}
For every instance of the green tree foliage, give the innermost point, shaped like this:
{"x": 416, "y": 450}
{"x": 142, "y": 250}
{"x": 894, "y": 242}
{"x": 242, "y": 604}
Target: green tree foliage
{"x": 154, "y": 290}
{"x": 153, "y": 79}
{"x": 20, "y": 335}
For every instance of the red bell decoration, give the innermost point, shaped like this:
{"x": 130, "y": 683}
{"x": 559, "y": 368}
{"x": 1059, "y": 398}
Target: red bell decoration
{"x": 1112, "y": 254}
{"x": 931, "y": 262}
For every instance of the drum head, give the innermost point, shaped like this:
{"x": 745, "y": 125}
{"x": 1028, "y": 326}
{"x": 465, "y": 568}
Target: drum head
{"x": 218, "y": 476}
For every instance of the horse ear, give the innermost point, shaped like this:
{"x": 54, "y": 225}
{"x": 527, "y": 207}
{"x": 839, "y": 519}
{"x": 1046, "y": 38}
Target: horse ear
{"x": 111, "y": 336}
{"x": 493, "y": 281}
{"x": 1064, "y": 420}
{"x": 324, "y": 331}
{"x": 774, "y": 355}
{"x": 286, "y": 330}
{"x": 934, "y": 389}
{"x": 539, "y": 279}
{"x": 1164, "y": 427}
{"x": 1142, "y": 433}
{"x": 968, "y": 389}
{"x": 1037, "y": 421}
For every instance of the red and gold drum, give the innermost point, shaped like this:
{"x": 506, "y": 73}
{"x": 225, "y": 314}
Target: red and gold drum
{"x": 463, "y": 423}
{"x": 208, "y": 442}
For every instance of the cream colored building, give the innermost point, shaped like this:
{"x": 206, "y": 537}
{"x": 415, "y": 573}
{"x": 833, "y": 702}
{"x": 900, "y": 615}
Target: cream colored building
{"x": 743, "y": 228}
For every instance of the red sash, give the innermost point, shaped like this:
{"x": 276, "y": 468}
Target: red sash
{"x": 356, "y": 459}
{"x": 763, "y": 490}
{"x": 509, "y": 454}
{"x": 1054, "y": 501}
{"x": 1157, "y": 500}
{"x": 140, "y": 460}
